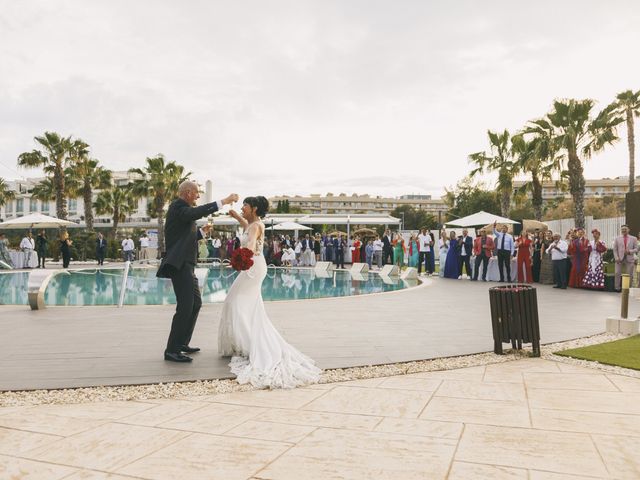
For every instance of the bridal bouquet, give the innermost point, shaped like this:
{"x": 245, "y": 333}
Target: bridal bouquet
{"x": 242, "y": 259}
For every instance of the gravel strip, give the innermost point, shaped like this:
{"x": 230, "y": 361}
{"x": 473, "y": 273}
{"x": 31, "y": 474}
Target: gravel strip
{"x": 214, "y": 387}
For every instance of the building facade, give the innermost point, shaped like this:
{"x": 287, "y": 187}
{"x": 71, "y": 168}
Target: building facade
{"x": 604, "y": 187}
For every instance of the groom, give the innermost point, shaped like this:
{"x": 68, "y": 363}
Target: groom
{"x": 178, "y": 264}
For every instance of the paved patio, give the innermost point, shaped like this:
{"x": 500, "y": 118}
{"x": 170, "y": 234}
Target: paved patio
{"x": 85, "y": 346}
{"x": 529, "y": 419}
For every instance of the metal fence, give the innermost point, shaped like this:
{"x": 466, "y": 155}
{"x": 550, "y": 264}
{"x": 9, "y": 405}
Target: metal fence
{"x": 609, "y": 227}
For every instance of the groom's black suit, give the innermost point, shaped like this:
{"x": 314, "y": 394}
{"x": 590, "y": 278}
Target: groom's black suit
{"x": 178, "y": 263}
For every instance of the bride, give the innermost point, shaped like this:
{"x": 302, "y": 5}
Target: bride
{"x": 260, "y": 355}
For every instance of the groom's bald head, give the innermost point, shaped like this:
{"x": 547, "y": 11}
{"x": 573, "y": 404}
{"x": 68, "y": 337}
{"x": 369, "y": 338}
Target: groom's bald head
{"x": 188, "y": 191}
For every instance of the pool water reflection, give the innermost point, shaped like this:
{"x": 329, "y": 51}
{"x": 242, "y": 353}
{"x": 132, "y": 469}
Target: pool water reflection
{"x": 102, "y": 287}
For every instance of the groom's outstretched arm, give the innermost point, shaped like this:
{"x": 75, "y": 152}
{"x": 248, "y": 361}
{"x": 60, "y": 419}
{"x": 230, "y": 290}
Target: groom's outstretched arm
{"x": 190, "y": 214}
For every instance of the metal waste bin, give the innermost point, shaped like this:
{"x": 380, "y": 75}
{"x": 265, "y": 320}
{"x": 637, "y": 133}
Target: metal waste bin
{"x": 514, "y": 317}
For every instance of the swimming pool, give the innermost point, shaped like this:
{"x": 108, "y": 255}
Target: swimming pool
{"x": 102, "y": 286}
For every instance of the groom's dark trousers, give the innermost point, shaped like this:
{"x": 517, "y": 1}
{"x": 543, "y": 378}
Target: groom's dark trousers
{"x": 178, "y": 264}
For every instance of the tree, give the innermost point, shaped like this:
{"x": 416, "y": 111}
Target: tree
{"x": 498, "y": 159}
{"x": 158, "y": 181}
{"x": 54, "y": 158}
{"x": 467, "y": 198}
{"x": 86, "y": 175}
{"x": 117, "y": 202}
{"x": 627, "y": 106}
{"x": 414, "y": 219}
{"x": 5, "y": 193}
{"x": 581, "y": 136}
{"x": 605, "y": 207}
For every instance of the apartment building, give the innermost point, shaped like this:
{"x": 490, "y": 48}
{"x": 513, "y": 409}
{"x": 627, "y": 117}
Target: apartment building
{"x": 604, "y": 187}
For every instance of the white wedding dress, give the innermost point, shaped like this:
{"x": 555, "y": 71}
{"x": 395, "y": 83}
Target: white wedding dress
{"x": 260, "y": 355}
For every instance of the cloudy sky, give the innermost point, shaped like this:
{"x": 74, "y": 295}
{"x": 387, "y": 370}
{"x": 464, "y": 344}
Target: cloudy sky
{"x": 294, "y": 97}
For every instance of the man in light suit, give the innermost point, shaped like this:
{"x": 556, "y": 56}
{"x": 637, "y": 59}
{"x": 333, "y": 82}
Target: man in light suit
{"x": 624, "y": 247}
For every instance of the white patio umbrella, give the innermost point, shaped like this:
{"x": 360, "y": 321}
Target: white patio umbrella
{"x": 289, "y": 226}
{"x": 480, "y": 219}
{"x": 36, "y": 220}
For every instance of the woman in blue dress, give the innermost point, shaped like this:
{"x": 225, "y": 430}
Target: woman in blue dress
{"x": 451, "y": 264}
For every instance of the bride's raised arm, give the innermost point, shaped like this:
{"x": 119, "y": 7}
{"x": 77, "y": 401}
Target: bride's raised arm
{"x": 243, "y": 223}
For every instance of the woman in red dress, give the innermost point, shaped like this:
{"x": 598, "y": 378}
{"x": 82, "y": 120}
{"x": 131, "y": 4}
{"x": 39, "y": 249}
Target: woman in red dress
{"x": 524, "y": 244}
{"x": 579, "y": 251}
{"x": 355, "y": 255}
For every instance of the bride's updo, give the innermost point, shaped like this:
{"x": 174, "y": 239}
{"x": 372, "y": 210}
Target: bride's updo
{"x": 260, "y": 203}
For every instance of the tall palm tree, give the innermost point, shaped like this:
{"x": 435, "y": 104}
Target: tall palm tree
{"x": 500, "y": 159}
{"x": 5, "y": 193}
{"x": 86, "y": 175}
{"x": 158, "y": 181}
{"x": 627, "y": 105}
{"x": 116, "y": 201}
{"x": 54, "y": 158}
{"x": 580, "y": 135}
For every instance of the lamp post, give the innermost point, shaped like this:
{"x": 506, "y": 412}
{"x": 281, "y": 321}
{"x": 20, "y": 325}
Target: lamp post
{"x": 402, "y": 224}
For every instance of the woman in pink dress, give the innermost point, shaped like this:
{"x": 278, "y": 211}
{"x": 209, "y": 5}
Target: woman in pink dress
{"x": 594, "y": 278}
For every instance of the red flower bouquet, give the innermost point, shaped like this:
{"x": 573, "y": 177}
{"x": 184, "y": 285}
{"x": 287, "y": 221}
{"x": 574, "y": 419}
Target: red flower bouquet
{"x": 242, "y": 259}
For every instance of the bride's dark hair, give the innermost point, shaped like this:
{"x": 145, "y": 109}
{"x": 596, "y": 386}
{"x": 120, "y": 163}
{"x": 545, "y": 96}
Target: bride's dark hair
{"x": 261, "y": 205}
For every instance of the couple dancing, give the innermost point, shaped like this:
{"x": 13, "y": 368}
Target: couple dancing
{"x": 259, "y": 354}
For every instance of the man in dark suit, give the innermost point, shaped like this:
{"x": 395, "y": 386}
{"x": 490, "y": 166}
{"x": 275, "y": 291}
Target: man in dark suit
{"x": 465, "y": 244}
{"x": 338, "y": 251}
{"x": 101, "y": 248}
{"x": 178, "y": 264}
{"x": 387, "y": 247}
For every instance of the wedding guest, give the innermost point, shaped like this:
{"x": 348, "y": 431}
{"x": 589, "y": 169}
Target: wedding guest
{"x": 432, "y": 257}
{"x": 443, "y": 249}
{"x": 387, "y": 249}
{"x": 624, "y": 248}
{"x": 298, "y": 250}
{"x": 451, "y": 267}
{"x": 594, "y": 278}
{"x": 505, "y": 245}
{"x": 465, "y": 244}
{"x": 579, "y": 251}
{"x": 203, "y": 251}
{"x": 101, "y": 248}
{"x": 28, "y": 247}
{"x": 317, "y": 247}
{"x": 4, "y": 251}
{"x": 128, "y": 248}
{"x": 425, "y": 248}
{"x": 398, "y": 251}
{"x": 524, "y": 246}
{"x": 339, "y": 245}
{"x": 65, "y": 249}
{"x": 538, "y": 242}
{"x": 323, "y": 247}
{"x": 42, "y": 243}
{"x": 288, "y": 256}
{"x": 329, "y": 248}
{"x": 483, "y": 250}
{"x": 414, "y": 254}
{"x": 378, "y": 247}
{"x": 216, "y": 243}
{"x": 369, "y": 253}
{"x": 144, "y": 247}
{"x": 230, "y": 246}
{"x": 546, "y": 265}
{"x": 355, "y": 256}
{"x": 558, "y": 253}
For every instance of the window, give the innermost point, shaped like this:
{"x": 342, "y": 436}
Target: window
{"x": 33, "y": 205}
{"x": 19, "y": 205}
{"x": 44, "y": 207}
{"x": 8, "y": 208}
{"x": 73, "y": 206}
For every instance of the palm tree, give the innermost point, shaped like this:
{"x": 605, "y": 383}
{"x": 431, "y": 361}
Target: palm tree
{"x": 54, "y": 158}
{"x": 627, "y": 105}
{"x": 5, "y": 193}
{"x": 86, "y": 175}
{"x": 499, "y": 159}
{"x": 116, "y": 201}
{"x": 158, "y": 182}
{"x": 580, "y": 135}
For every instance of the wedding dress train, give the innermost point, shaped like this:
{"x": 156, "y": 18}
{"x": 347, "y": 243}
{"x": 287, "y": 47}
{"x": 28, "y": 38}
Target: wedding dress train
{"x": 260, "y": 355}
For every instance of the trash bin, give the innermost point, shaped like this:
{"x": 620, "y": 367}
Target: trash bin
{"x": 514, "y": 317}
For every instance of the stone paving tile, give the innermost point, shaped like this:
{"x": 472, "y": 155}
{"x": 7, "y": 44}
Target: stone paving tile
{"x": 475, "y": 471}
{"x": 365, "y": 382}
{"x": 559, "y": 452}
{"x": 411, "y": 383}
{"x": 207, "y": 457}
{"x": 620, "y": 455}
{"x": 106, "y": 448}
{"x": 295, "y": 398}
{"x": 625, "y": 384}
{"x": 12, "y": 468}
{"x": 540, "y": 475}
{"x": 568, "y": 381}
{"x": 15, "y": 442}
{"x": 162, "y": 412}
{"x": 469, "y": 373}
{"x": 423, "y": 428}
{"x": 511, "y": 372}
{"x": 482, "y": 390}
{"x": 93, "y": 475}
{"x": 276, "y": 432}
{"x": 372, "y": 401}
{"x": 96, "y": 411}
{"x": 347, "y": 454}
{"x": 607, "y": 402}
{"x": 215, "y": 418}
{"x": 569, "y": 368}
{"x": 320, "y": 419}
{"x": 586, "y": 422}
{"x": 35, "y": 421}
{"x": 486, "y": 412}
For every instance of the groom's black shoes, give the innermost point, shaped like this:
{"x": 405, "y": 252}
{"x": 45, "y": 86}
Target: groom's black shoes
{"x": 188, "y": 349}
{"x": 177, "y": 357}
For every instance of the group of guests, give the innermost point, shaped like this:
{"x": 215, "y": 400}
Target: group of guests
{"x": 35, "y": 248}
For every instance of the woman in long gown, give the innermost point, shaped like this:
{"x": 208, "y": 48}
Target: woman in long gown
{"x": 523, "y": 243}
{"x": 594, "y": 278}
{"x": 260, "y": 355}
{"x": 443, "y": 249}
{"x": 398, "y": 251}
{"x": 355, "y": 256}
{"x": 453, "y": 255}
{"x": 579, "y": 251}
{"x": 538, "y": 242}
{"x": 414, "y": 255}
{"x": 546, "y": 265}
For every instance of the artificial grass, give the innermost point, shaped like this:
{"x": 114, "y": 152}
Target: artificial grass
{"x": 622, "y": 353}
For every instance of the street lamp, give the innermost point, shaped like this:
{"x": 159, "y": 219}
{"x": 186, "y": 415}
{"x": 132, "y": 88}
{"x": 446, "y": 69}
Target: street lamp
{"x": 402, "y": 225}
